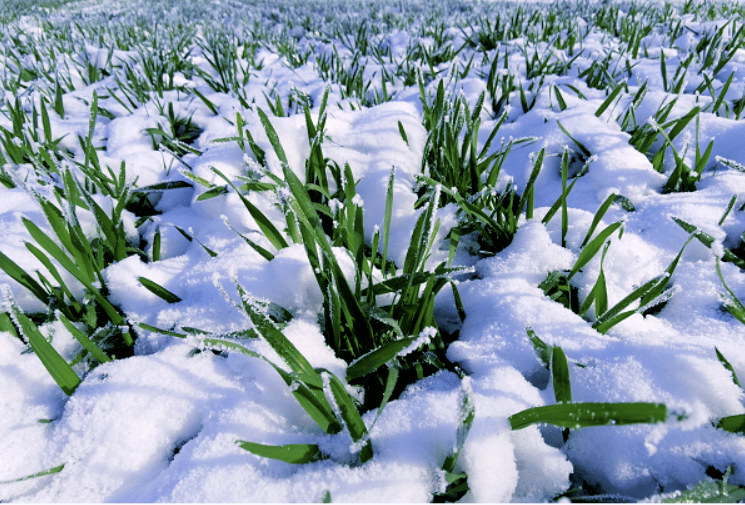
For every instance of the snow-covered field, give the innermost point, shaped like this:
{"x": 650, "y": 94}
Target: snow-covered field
{"x": 423, "y": 251}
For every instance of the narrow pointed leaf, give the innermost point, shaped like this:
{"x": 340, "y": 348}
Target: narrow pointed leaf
{"x": 583, "y": 415}
{"x": 297, "y": 454}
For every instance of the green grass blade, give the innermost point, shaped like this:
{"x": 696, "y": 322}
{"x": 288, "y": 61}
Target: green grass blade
{"x": 560, "y": 375}
{"x": 296, "y": 454}
{"x": 702, "y": 237}
{"x": 159, "y": 290}
{"x": 598, "y": 216}
{"x": 86, "y": 342}
{"x": 312, "y": 401}
{"x": 351, "y": 417}
{"x": 273, "y": 137}
{"x": 465, "y": 417}
{"x": 708, "y": 491}
{"x": 734, "y": 306}
{"x": 281, "y": 344}
{"x": 728, "y": 366}
{"x": 560, "y": 99}
{"x": 374, "y": 359}
{"x": 56, "y": 365}
{"x": 390, "y": 385}
{"x": 403, "y": 133}
{"x": 55, "y": 251}
{"x": 212, "y": 193}
{"x": 732, "y": 424}
{"x": 537, "y": 165}
{"x": 51, "y": 471}
{"x": 593, "y": 248}
{"x": 681, "y": 123}
{"x": 731, "y": 205}
{"x": 542, "y": 349}
{"x": 583, "y": 415}
{"x": 154, "y": 329}
{"x": 614, "y": 316}
{"x": 265, "y": 225}
{"x": 19, "y": 275}
{"x": 608, "y": 101}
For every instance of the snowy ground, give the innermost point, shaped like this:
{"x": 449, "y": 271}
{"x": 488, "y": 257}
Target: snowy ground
{"x": 162, "y": 424}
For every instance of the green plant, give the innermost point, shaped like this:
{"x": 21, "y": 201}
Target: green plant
{"x": 177, "y": 136}
{"x": 571, "y": 415}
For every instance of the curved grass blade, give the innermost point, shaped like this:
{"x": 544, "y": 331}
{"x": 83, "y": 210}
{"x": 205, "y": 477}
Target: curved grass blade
{"x": 313, "y": 402}
{"x": 159, "y": 290}
{"x": 19, "y": 275}
{"x": 733, "y": 304}
{"x": 598, "y": 216}
{"x": 273, "y": 137}
{"x": 51, "y": 471}
{"x": 148, "y": 327}
{"x": 728, "y": 366}
{"x": 265, "y": 225}
{"x": 86, "y": 342}
{"x": 733, "y": 424}
{"x": 56, "y": 365}
{"x": 373, "y": 360}
{"x": 351, "y": 417}
{"x": 296, "y": 454}
{"x": 390, "y": 385}
{"x": 583, "y": 415}
{"x": 718, "y": 491}
{"x": 592, "y": 248}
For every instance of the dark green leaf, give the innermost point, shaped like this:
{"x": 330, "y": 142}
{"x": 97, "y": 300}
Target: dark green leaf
{"x": 290, "y": 453}
{"x": 583, "y": 415}
{"x": 159, "y": 290}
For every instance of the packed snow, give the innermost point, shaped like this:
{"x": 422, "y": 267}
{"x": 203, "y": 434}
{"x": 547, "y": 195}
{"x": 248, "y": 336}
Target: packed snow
{"x": 162, "y": 425}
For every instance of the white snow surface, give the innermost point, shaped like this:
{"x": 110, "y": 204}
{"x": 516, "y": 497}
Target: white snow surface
{"x": 162, "y": 425}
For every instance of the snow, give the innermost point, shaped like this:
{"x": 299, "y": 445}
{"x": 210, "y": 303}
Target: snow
{"x": 162, "y": 425}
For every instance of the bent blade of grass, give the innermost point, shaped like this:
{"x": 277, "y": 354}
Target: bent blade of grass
{"x": 583, "y": 415}
{"x": 312, "y": 401}
{"x": 351, "y": 417}
{"x": 19, "y": 275}
{"x": 159, "y": 290}
{"x": 527, "y": 194}
{"x": 728, "y": 366}
{"x": 296, "y": 454}
{"x": 541, "y": 348}
{"x": 592, "y": 248}
{"x": 734, "y": 306}
{"x": 51, "y": 471}
{"x": 608, "y": 101}
{"x": 465, "y": 416}
{"x": 711, "y": 492}
{"x": 614, "y": 315}
{"x": 373, "y": 360}
{"x": 731, "y": 205}
{"x": 154, "y": 329}
{"x": 86, "y": 342}
{"x": 598, "y": 216}
{"x": 657, "y": 290}
{"x": 390, "y": 385}
{"x": 282, "y": 345}
{"x": 265, "y": 225}
{"x": 273, "y": 137}
{"x": 56, "y": 365}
